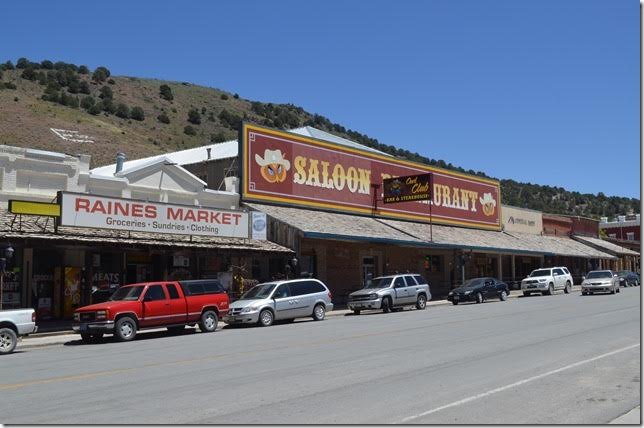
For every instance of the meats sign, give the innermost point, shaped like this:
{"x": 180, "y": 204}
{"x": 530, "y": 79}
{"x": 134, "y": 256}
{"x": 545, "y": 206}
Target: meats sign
{"x": 285, "y": 168}
{"x": 82, "y": 210}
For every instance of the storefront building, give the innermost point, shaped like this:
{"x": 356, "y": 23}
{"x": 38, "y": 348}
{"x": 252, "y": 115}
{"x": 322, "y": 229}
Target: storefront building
{"x": 153, "y": 222}
{"x": 323, "y": 199}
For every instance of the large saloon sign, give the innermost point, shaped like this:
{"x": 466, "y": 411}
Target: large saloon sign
{"x": 285, "y": 168}
{"x": 82, "y": 210}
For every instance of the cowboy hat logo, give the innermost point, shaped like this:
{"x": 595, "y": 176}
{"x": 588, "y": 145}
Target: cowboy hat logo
{"x": 273, "y": 166}
{"x": 488, "y": 203}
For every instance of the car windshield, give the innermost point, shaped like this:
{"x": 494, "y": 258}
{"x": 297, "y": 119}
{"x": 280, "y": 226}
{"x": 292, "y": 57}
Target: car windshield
{"x": 260, "y": 291}
{"x": 599, "y": 274}
{"x": 540, "y": 272}
{"x": 127, "y": 293}
{"x": 473, "y": 282}
{"x": 379, "y": 283}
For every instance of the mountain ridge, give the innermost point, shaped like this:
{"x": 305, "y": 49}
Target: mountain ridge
{"x": 148, "y": 116}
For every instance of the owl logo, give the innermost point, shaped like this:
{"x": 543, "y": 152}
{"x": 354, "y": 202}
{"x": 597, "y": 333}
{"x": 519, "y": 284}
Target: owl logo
{"x": 488, "y": 203}
{"x": 273, "y": 166}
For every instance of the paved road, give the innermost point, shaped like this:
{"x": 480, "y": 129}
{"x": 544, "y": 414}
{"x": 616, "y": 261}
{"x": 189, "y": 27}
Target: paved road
{"x": 551, "y": 359}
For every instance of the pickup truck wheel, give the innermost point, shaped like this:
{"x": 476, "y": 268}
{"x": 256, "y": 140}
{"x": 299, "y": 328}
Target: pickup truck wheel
{"x": 208, "y": 322}
{"x": 421, "y": 302}
{"x": 125, "y": 329}
{"x": 356, "y": 311}
{"x": 567, "y": 287}
{"x": 266, "y": 318}
{"x": 526, "y": 294}
{"x": 319, "y": 312}
{"x": 454, "y": 302}
{"x": 8, "y": 340}
{"x": 503, "y": 296}
{"x": 386, "y": 304}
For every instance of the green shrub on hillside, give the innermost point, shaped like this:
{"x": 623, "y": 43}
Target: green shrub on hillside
{"x": 122, "y": 111}
{"x": 194, "y": 117}
{"x": 224, "y": 97}
{"x": 47, "y": 65}
{"x": 111, "y": 81}
{"x": 100, "y": 74}
{"x": 29, "y": 74}
{"x": 219, "y": 137}
{"x": 83, "y": 87}
{"x": 163, "y": 118}
{"x": 87, "y": 102}
{"x": 83, "y": 69}
{"x": 106, "y": 93}
{"x": 96, "y": 109}
{"x": 22, "y": 63}
{"x": 73, "y": 87}
{"x": 108, "y": 106}
{"x": 189, "y": 130}
{"x": 165, "y": 92}
{"x": 230, "y": 120}
{"x": 236, "y": 96}
{"x": 137, "y": 113}
{"x": 10, "y": 85}
{"x": 9, "y": 65}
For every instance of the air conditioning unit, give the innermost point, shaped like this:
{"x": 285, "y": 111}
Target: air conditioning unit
{"x": 180, "y": 261}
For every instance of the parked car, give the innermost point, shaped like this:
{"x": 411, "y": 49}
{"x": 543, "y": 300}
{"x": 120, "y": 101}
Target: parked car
{"x": 171, "y": 304}
{"x": 478, "y": 290}
{"x": 391, "y": 292}
{"x": 547, "y": 281}
{"x": 600, "y": 281}
{"x": 281, "y": 300}
{"x": 13, "y": 324}
{"x": 628, "y": 278}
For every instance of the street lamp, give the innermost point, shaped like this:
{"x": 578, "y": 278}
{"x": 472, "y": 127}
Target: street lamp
{"x": 7, "y": 254}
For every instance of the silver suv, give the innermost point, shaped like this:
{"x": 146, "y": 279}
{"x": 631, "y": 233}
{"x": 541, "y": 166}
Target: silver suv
{"x": 391, "y": 292}
{"x": 547, "y": 281}
{"x": 281, "y": 300}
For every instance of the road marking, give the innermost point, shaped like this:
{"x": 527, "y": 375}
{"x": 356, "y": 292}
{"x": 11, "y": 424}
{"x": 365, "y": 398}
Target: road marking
{"x": 512, "y": 385}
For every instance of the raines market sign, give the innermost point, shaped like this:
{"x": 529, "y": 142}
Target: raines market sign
{"x": 139, "y": 216}
{"x": 284, "y": 168}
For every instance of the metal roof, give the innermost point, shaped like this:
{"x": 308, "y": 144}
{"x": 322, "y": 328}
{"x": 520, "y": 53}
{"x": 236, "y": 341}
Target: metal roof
{"x": 328, "y": 225}
{"x": 605, "y": 245}
{"x": 226, "y": 150}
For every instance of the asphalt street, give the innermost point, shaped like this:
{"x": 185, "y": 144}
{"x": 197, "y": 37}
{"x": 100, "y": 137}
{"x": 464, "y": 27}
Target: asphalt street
{"x": 537, "y": 360}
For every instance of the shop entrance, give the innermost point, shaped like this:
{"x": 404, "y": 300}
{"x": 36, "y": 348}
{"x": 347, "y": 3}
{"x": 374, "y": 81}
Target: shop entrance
{"x": 369, "y": 269}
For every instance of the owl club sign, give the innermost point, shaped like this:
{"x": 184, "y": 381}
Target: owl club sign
{"x": 288, "y": 169}
{"x": 410, "y": 188}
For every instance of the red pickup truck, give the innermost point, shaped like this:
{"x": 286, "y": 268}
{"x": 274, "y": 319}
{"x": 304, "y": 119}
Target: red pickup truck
{"x": 171, "y": 304}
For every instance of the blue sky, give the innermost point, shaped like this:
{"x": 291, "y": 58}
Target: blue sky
{"x": 537, "y": 91}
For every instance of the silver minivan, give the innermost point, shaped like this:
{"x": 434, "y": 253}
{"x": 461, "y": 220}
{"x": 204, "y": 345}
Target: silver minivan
{"x": 281, "y": 300}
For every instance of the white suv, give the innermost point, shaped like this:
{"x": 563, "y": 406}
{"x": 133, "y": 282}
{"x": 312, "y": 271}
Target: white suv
{"x": 547, "y": 281}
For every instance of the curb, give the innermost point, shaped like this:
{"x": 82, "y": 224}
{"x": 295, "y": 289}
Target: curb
{"x": 40, "y": 340}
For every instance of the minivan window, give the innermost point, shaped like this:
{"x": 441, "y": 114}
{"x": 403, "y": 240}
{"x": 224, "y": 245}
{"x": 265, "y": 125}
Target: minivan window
{"x": 316, "y": 287}
{"x": 282, "y": 292}
{"x": 260, "y": 291}
{"x": 299, "y": 288}
{"x": 172, "y": 291}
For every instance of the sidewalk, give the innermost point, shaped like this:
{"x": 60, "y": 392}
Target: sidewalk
{"x": 631, "y": 418}
{"x": 64, "y": 336}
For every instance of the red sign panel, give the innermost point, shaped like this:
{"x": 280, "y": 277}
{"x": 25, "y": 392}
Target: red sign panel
{"x": 289, "y": 169}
